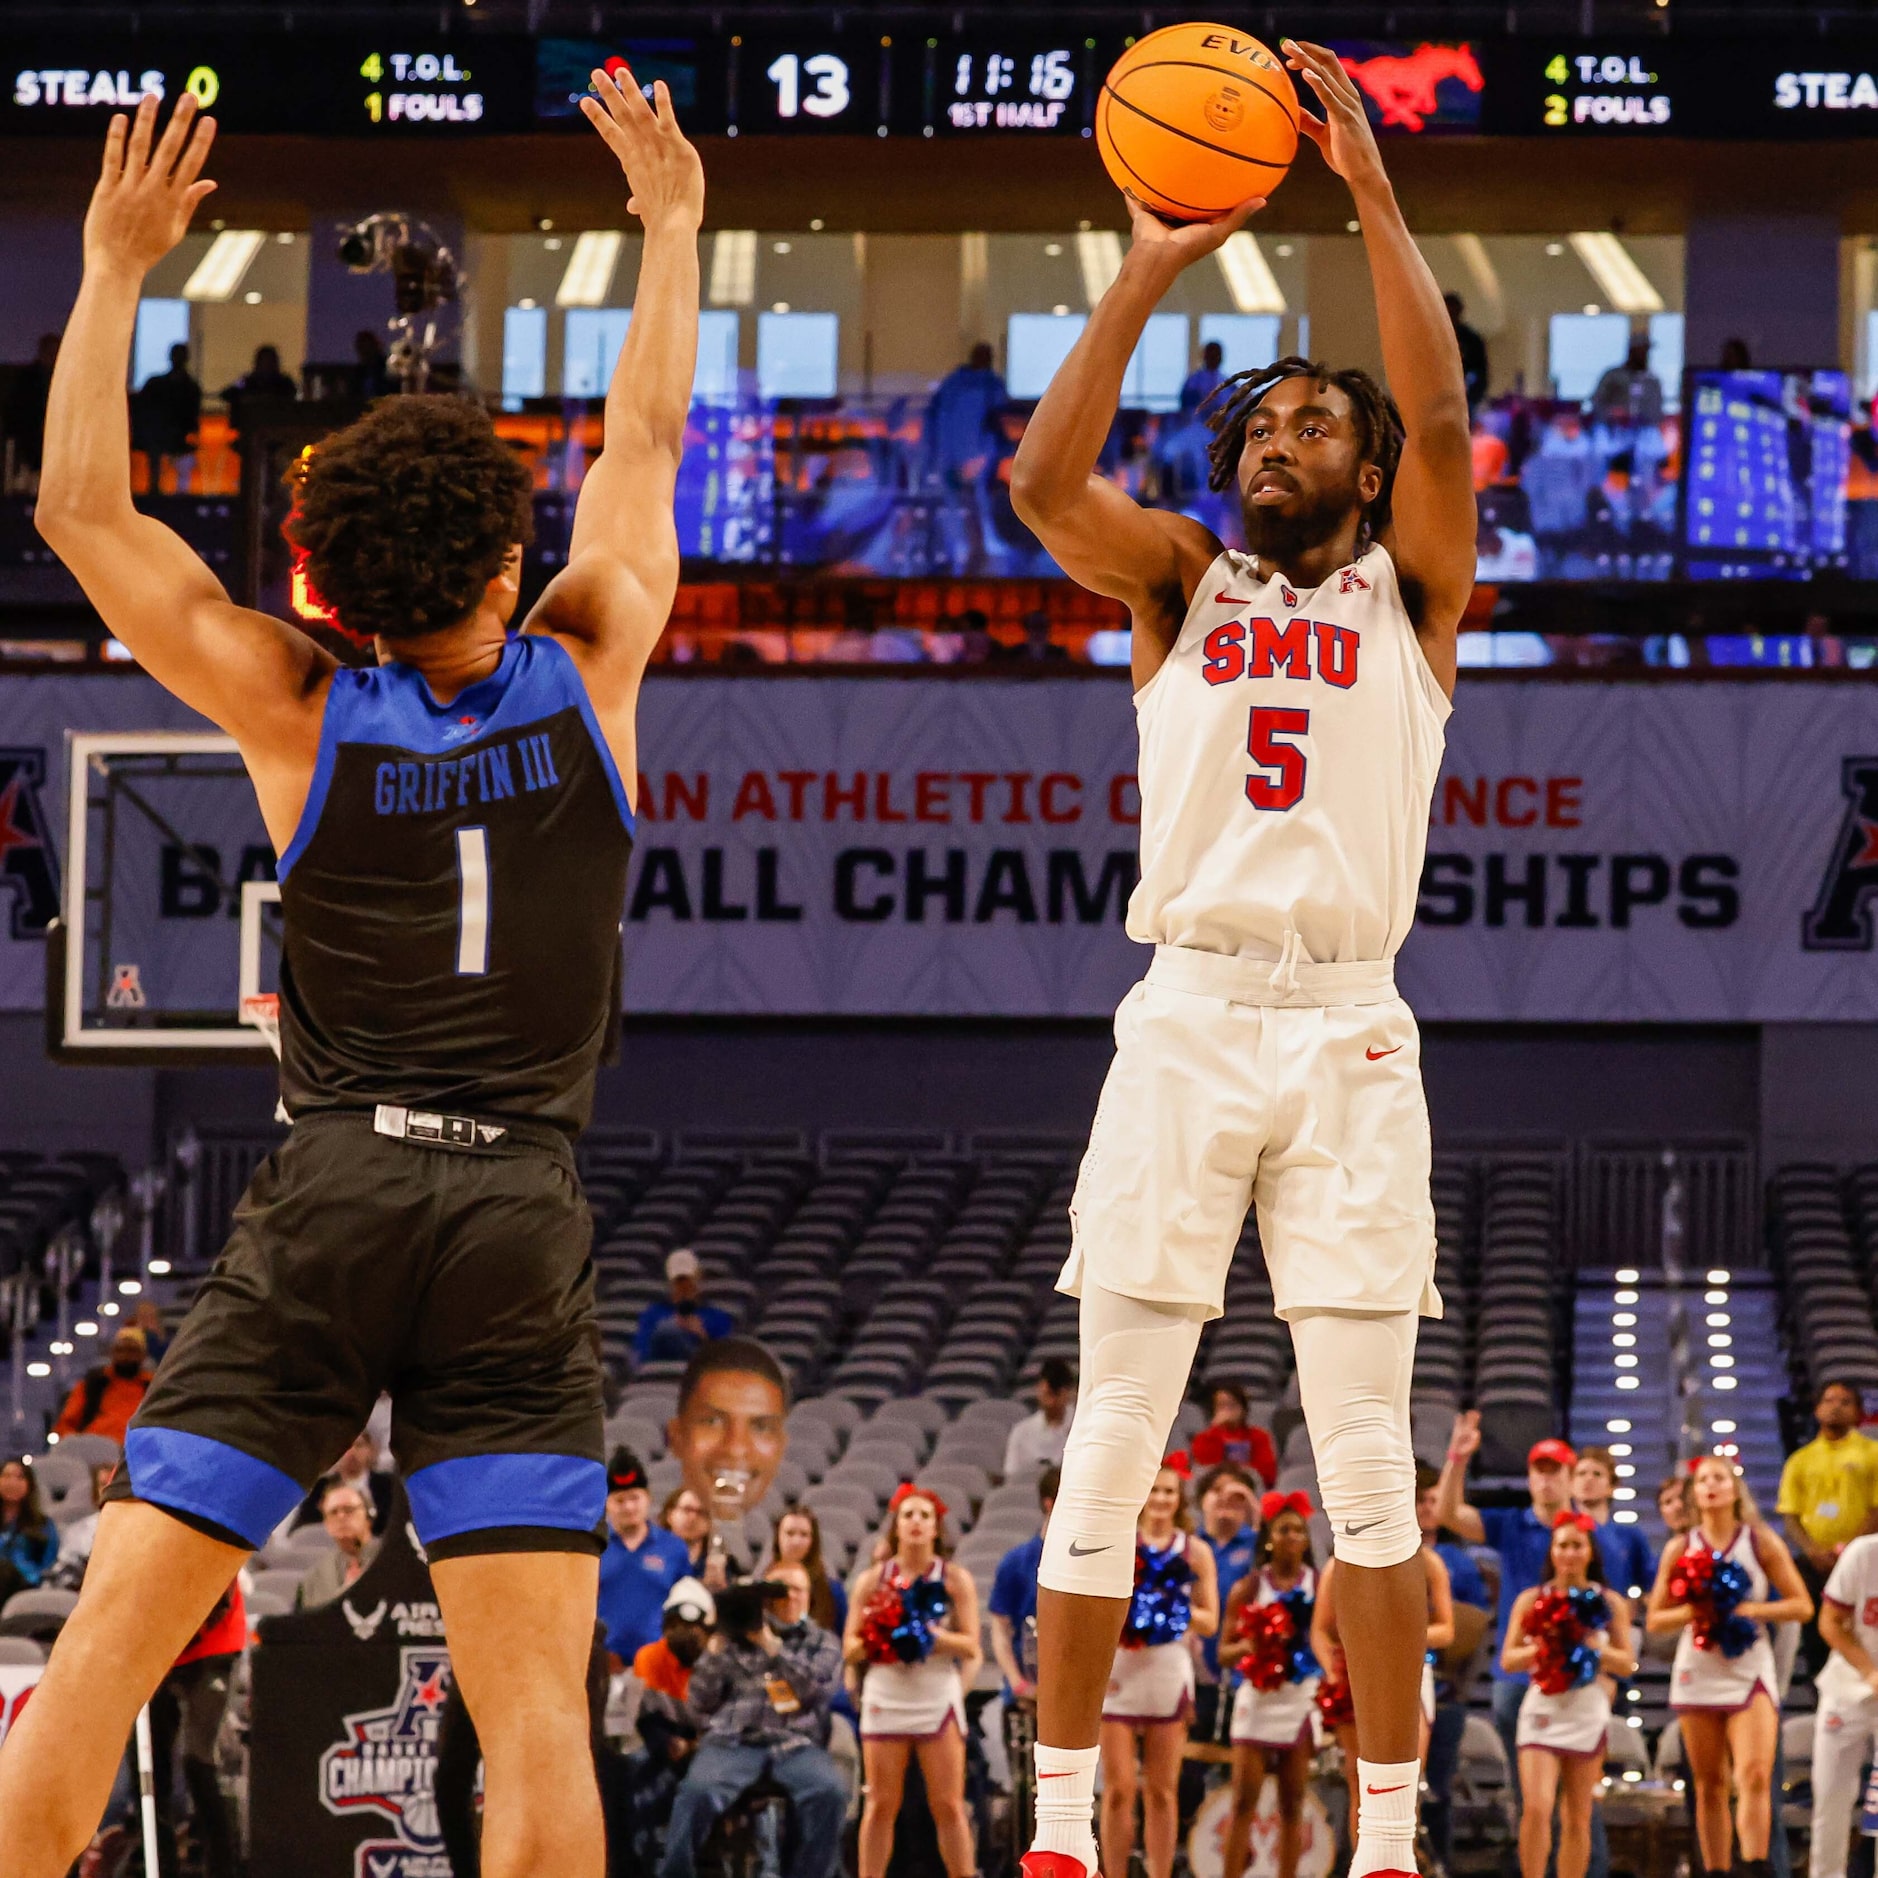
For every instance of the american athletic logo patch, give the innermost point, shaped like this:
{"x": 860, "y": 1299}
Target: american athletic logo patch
{"x": 29, "y": 874}
{"x": 387, "y": 1764}
{"x": 1842, "y": 918}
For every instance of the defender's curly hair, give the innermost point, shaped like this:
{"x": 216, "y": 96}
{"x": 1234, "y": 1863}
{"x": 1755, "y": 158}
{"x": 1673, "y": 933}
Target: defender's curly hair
{"x": 1378, "y": 423}
{"x": 405, "y": 516}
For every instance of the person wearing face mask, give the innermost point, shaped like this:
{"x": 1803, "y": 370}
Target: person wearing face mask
{"x": 105, "y": 1399}
{"x": 666, "y": 1663}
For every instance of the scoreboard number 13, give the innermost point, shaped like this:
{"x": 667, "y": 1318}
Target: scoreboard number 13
{"x": 828, "y": 75}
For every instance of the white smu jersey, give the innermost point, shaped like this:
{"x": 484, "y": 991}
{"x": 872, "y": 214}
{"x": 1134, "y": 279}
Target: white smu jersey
{"x": 1853, "y": 1586}
{"x": 1288, "y": 755}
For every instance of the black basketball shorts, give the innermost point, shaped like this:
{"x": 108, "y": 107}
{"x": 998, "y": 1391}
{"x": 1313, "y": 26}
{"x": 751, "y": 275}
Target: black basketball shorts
{"x": 460, "y": 1280}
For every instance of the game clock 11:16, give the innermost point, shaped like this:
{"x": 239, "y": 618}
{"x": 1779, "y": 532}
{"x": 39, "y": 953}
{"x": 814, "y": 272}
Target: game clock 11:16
{"x": 830, "y": 85}
{"x": 1007, "y": 86}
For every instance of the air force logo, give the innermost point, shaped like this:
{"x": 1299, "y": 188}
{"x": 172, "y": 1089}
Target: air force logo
{"x": 1844, "y": 918}
{"x": 387, "y": 1766}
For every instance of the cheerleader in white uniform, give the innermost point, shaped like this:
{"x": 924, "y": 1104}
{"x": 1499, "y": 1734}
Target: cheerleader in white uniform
{"x": 910, "y": 1708}
{"x": 1729, "y": 1706}
{"x": 1561, "y": 1735}
{"x": 1272, "y": 1729}
{"x": 1150, "y": 1692}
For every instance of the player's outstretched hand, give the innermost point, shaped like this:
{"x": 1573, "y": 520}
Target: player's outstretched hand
{"x": 1180, "y": 244}
{"x": 1342, "y": 133}
{"x": 662, "y": 169}
{"x": 143, "y": 202}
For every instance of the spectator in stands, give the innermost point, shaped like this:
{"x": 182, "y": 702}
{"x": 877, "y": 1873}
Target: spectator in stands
{"x": 729, "y": 1434}
{"x": 958, "y": 420}
{"x": 671, "y": 1328}
{"x": 1522, "y": 1535}
{"x": 1013, "y": 1602}
{"x": 371, "y": 375}
{"x": 1231, "y": 1435}
{"x": 796, "y": 1539}
{"x": 1628, "y": 396}
{"x": 25, "y": 418}
{"x": 1229, "y": 1523}
{"x": 359, "y": 1469}
{"x": 665, "y": 1664}
{"x": 148, "y": 1317}
{"x": 1728, "y": 1706}
{"x": 1629, "y": 1566}
{"x": 1828, "y": 1497}
{"x": 1457, "y": 1667}
{"x": 688, "y": 1519}
{"x": 165, "y": 413}
{"x": 665, "y": 1723}
{"x": 29, "y": 1542}
{"x": 762, "y": 1696}
{"x": 103, "y": 1402}
{"x": 1205, "y": 379}
{"x": 348, "y": 1524}
{"x": 1672, "y": 1506}
{"x": 1037, "y": 1441}
{"x": 1473, "y": 353}
{"x": 78, "y": 1536}
{"x": 641, "y": 1562}
{"x": 263, "y": 382}
{"x": 915, "y": 1707}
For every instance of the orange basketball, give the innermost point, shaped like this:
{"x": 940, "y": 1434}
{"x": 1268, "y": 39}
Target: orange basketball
{"x": 1193, "y": 119}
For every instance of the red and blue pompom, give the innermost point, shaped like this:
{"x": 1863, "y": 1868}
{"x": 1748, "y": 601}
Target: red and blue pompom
{"x": 1280, "y": 1636}
{"x": 1714, "y": 1588}
{"x": 1562, "y": 1623}
{"x": 897, "y": 1625}
{"x": 1335, "y": 1704}
{"x": 1162, "y": 1606}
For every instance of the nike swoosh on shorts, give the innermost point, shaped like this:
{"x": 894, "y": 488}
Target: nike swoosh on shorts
{"x": 1376, "y": 1056}
{"x": 1087, "y": 1551}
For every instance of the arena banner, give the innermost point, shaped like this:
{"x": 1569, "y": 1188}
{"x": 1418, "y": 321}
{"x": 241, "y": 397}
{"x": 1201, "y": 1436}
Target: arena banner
{"x": 1675, "y": 851}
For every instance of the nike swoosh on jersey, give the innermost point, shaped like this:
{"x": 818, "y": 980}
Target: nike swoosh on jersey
{"x": 1376, "y": 1056}
{"x": 1226, "y": 599}
{"x": 1087, "y": 1551}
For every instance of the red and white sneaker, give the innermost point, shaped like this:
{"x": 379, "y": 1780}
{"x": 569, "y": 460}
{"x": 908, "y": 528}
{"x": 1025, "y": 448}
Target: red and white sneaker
{"x": 1036, "y": 1864}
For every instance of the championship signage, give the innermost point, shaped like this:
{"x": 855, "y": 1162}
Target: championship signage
{"x": 887, "y": 846}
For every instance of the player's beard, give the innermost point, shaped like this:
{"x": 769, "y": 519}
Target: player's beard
{"x": 1282, "y": 537}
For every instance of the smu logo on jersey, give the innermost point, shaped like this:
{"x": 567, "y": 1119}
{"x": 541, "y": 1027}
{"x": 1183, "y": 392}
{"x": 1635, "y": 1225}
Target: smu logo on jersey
{"x": 1840, "y": 919}
{"x": 1304, "y": 649}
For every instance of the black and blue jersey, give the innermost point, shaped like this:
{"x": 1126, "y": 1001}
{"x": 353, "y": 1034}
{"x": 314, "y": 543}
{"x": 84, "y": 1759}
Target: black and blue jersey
{"x": 451, "y": 899}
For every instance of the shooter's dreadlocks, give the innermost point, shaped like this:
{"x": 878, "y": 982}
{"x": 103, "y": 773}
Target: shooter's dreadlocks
{"x": 1378, "y": 424}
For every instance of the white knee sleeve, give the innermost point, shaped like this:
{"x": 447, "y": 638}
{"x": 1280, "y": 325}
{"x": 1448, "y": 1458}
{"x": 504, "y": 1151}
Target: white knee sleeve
{"x": 1133, "y": 1373}
{"x": 1353, "y": 1377}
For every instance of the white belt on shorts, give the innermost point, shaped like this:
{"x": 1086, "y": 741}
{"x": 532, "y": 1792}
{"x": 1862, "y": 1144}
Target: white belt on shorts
{"x": 1288, "y": 981}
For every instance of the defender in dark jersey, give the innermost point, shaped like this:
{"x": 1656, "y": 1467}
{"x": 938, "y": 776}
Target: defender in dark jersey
{"x": 453, "y": 830}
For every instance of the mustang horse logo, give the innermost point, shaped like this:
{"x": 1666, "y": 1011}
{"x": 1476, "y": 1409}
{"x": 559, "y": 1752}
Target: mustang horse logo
{"x": 1403, "y": 88}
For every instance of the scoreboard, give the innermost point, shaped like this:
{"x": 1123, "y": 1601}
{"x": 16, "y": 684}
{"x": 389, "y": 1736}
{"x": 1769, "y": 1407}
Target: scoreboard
{"x": 980, "y": 83}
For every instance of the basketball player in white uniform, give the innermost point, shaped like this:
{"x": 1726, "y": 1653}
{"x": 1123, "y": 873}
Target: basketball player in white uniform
{"x": 1292, "y": 702}
{"x": 1845, "y": 1731}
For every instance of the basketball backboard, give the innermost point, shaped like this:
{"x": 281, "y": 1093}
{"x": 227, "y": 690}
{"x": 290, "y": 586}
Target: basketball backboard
{"x": 170, "y": 939}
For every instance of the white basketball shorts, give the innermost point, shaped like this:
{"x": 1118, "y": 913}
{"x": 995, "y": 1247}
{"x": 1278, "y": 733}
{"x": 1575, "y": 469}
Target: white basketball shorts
{"x": 1235, "y": 1082}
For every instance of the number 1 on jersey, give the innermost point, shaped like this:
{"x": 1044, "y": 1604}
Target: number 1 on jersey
{"x": 1269, "y": 723}
{"x": 472, "y": 925}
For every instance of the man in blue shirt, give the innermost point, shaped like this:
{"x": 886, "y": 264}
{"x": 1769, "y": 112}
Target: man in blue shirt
{"x": 1014, "y": 1602}
{"x": 1229, "y": 1522}
{"x": 1623, "y": 1550}
{"x": 671, "y": 1330}
{"x": 640, "y": 1565}
{"x": 1522, "y": 1535}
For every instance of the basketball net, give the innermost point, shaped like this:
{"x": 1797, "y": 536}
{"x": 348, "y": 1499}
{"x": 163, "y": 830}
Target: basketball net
{"x": 262, "y": 1012}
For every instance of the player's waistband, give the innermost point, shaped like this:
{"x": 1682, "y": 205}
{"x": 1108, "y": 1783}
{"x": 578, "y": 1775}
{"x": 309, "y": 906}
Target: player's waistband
{"x": 451, "y": 1133}
{"x": 1287, "y": 981}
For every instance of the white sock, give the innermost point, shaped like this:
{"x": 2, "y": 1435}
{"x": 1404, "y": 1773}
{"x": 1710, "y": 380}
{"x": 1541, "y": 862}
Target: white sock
{"x": 1388, "y": 1796}
{"x": 1066, "y": 1802}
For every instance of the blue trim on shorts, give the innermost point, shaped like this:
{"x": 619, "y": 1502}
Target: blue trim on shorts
{"x": 477, "y": 1491}
{"x": 170, "y": 1467}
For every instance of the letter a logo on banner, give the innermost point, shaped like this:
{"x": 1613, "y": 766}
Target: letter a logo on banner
{"x": 28, "y": 873}
{"x": 1841, "y": 919}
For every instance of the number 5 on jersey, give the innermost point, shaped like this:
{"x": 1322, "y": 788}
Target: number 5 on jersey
{"x": 472, "y": 921}
{"x": 1271, "y": 723}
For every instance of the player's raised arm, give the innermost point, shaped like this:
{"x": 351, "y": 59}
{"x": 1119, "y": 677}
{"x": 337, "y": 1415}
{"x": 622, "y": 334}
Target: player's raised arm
{"x": 1101, "y": 537}
{"x": 609, "y": 604}
{"x": 252, "y": 674}
{"x": 1433, "y": 527}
